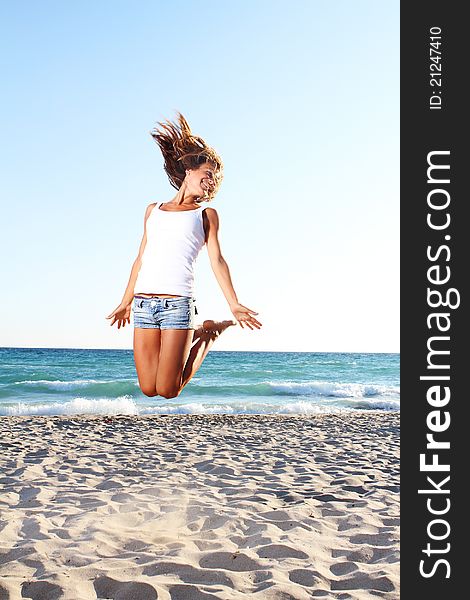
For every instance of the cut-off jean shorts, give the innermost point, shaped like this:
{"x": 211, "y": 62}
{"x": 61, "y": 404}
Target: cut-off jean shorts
{"x": 165, "y": 313}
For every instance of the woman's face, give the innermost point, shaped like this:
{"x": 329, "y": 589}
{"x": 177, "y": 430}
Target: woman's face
{"x": 201, "y": 181}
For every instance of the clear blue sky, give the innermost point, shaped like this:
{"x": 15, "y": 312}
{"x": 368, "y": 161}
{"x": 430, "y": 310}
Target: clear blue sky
{"x": 300, "y": 99}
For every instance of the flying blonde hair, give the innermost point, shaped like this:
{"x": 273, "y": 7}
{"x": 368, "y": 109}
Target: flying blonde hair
{"x": 182, "y": 150}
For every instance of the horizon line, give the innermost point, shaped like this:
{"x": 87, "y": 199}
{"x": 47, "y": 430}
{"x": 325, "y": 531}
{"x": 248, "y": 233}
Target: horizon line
{"x": 280, "y": 351}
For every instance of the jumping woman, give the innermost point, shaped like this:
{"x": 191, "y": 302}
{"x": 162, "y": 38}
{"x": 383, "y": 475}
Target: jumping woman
{"x": 168, "y": 347}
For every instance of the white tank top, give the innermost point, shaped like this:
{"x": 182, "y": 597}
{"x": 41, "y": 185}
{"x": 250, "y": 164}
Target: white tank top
{"x": 174, "y": 240}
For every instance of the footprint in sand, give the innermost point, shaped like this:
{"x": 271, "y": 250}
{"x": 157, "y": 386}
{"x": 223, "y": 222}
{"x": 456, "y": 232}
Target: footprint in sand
{"x": 231, "y": 561}
{"x": 29, "y": 497}
{"x": 362, "y": 581}
{"x": 280, "y": 551}
{"x": 350, "y": 522}
{"x": 379, "y": 539}
{"x": 343, "y": 568}
{"x": 109, "y": 484}
{"x": 189, "y": 574}
{"x": 214, "y": 522}
{"x": 184, "y": 592}
{"x": 307, "y": 577}
{"x": 31, "y": 529}
{"x": 41, "y": 590}
{"x": 368, "y": 554}
{"x": 106, "y": 587}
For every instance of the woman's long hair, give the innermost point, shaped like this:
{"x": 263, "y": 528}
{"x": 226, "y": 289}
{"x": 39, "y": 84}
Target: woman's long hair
{"x": 182, "y": 150}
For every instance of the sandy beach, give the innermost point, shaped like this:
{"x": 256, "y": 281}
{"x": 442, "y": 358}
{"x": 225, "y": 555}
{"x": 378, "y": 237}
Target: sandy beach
{"x": 195, "y": 507}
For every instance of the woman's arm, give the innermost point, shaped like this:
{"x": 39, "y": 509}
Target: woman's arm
{"x": 222, "y": 272}
{"x": 122, "y": 313}
{"x": 129, "y": 293}
{"x": 218, "y": 264}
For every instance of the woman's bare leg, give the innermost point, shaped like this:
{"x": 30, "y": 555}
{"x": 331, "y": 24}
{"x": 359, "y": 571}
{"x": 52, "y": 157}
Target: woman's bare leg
{"x": 146, "y": 358}
{"x": 166, "y": 360}
{"x": 203, "y": 338}
{"x": 174, "y": 351}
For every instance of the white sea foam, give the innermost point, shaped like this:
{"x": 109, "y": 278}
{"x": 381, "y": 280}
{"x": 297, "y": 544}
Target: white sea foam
{"x": 375, "y": 404}
{"x": 328, "y": 388}
{"x": 304, "y": 388}
{"x": 302, "y": 407}
{"x": 308, "y": 408}
{"x": 58, "y": 384}
{"x": 123, "y": 405}
{"x": 193, "y": 408}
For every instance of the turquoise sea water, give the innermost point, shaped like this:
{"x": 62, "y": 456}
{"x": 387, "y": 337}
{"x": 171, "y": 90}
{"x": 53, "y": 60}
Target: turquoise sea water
{"x": 55, "y": 381}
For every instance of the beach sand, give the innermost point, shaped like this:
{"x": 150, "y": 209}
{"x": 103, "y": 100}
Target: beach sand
{"x": 195, "y": 507}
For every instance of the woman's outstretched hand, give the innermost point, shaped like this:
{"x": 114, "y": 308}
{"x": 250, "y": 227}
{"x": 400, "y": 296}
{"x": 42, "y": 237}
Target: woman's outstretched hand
{"x": 243, "y": 316}
{"x": 121, "y": 314}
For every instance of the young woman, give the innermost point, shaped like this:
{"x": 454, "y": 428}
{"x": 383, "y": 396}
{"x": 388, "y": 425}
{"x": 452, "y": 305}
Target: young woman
{"x": 168, "y": 347}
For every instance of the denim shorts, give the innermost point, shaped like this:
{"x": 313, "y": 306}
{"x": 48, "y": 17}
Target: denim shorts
{"x": 165, "y": 313}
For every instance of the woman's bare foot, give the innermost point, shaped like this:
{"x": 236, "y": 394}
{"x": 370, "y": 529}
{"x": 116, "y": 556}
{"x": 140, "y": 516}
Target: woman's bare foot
{"x": 214, "y": 327}
{"x": 203, "y": 338}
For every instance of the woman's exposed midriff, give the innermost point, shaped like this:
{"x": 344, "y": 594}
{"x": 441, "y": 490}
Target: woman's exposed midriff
{"x": 157, "y": 296}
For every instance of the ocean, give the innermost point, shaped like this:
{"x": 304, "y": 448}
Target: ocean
{"x": 58, "y": 381}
